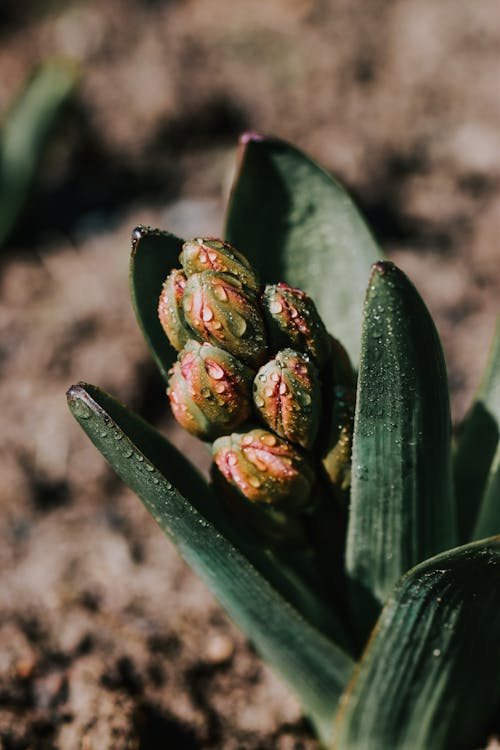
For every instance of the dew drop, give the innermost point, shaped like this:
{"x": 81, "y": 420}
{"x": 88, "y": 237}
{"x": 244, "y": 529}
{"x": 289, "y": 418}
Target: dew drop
{"x": 214, "y": 370}
{"x": 239, "y": 324}
{"x": 246, "y": 440}
{"x": 276, "y": 307}
{"x": 275, "y": 376}
{"x": 207, "y": 314}
{"x": 283, "y": 389}
{"x": 220, "y": 293}
{"x": 268, "y": 439}
{"x": 219, "y": 388}
{"x": 231, "y": 459}
{"x": 205, "y": 392}
{"x": 268, "y": 391}
{"x": 306, "y": 399}
{"x": 255, "y": 482}
{"x": 259, "y": 401}
{"x": 81, "y": 410}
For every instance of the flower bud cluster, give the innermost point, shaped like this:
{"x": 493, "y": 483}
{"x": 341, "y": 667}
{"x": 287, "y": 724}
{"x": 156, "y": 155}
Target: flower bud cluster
{"x": 262, "y": 355}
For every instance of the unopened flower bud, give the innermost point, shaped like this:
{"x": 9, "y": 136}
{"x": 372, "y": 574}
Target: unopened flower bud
{"x": 170, "y": 309}
{"x": 209, "y": 390}
{"x": 215, "y": 255}
{"x": 265, "y": 469}
{"x": 292, "y": 320}
{"x": 220, "y": 311}
{"x": 287, "y": 395}
{"x": 337, "y": 462}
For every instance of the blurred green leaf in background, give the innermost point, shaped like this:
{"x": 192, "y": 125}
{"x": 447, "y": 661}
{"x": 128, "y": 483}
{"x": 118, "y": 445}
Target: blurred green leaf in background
{"x": 24, "y": 133}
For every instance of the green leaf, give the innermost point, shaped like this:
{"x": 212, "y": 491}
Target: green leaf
{"x": 154, "y": 254}
{"x": 24, "y": 135}
{"x": 429, "y": 676}
{"x": 402, "y": 508}
{"x": 180, "y": 501}
{"x": 488, "y": 522}
{"x": 295, "y": 223}
{"x": 477, "y": 456}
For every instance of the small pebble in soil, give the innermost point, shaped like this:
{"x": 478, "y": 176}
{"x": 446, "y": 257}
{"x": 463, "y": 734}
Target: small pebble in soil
{"x": 218, "y": 649}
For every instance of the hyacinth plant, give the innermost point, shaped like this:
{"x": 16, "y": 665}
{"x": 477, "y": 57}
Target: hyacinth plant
{"x": 342, "y": 529}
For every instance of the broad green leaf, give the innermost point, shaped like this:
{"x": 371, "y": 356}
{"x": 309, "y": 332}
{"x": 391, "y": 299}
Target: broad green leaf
{"x": 402, "y": 508}
{"x": 475, "y": 466}
{"x": 314, "y": 667}
{"x": 154, "y": 254}
{"x": 296, "y": 224}
{"x": 429, "y": 678}
{"x": 488, "y": 521}
{"x": 25, "y": 132}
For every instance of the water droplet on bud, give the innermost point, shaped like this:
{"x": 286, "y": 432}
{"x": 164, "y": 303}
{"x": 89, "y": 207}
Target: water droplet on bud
{"x": 268, "y": 439}
{"x": 239, "y": 324}
{"x": 220, "y": 293}
{"x": 207, "y": 314}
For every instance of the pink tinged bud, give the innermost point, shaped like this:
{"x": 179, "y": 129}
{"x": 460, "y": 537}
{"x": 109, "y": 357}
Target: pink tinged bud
{"x": 209, "y": 390}
{"x": 215, "y": 255}
{"x": 170, "y": 309}
{"x": 265, "y": 469}
{"x": 338, "y": 460}
{"x": 220, "y": 311}
{"x": 292, "y": 320}
{"x": 287, "y": 396}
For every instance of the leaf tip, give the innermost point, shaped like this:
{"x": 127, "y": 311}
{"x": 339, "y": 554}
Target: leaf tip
{"x": 75, "y": 391}
{"x": 251, "y": 136}
{"x": 383, "y": 267}
{"x": 80, "y": 402}
{"x": 137, "y": 234}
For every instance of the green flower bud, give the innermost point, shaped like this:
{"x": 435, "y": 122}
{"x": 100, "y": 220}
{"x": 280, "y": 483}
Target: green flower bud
{"x": 215, "y": 255}
{"x": 292, "y": 320}
{"x": 209, "y": 390}
{"x": 170, "y": 309}
{"x": 265, "y": 469}
{"x": 337, "y": 462}
{"x": 220, "y": 311}
{"x": 287, "y": 395}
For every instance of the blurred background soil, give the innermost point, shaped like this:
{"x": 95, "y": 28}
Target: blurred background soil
{"x": 107, "y": 640}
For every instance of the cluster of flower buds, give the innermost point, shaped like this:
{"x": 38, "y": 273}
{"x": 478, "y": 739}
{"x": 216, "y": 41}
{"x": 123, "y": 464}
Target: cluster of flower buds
{"x": 252, "y": 355}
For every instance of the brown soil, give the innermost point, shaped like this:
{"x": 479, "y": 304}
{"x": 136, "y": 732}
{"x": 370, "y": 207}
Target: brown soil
{"x": 107, "y": 640}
